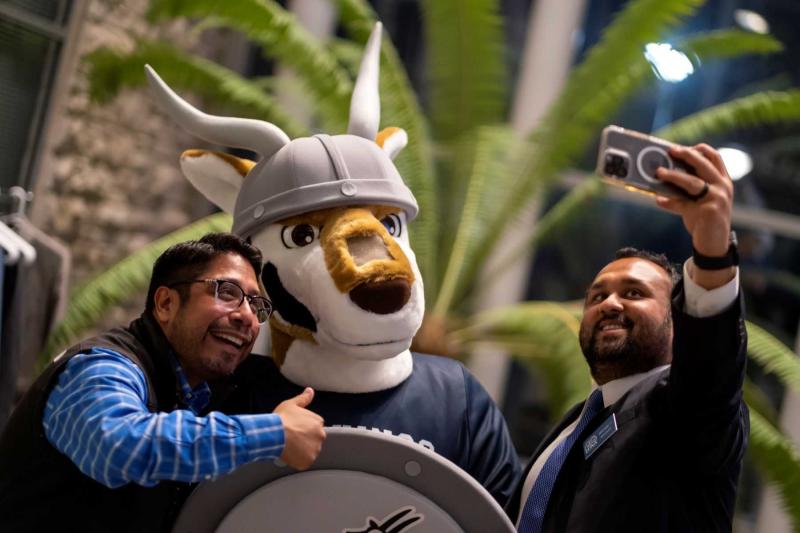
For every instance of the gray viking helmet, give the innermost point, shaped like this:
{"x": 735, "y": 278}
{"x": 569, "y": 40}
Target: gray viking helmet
{"x": 308, "y": 173}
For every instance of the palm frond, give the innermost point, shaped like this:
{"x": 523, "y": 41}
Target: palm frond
{"x": 757, "y": 400}
{"x": 598, "y": 109}
{"x": 500, "y": 145}
{"x": 465, "y": 48}
{"x": 622, "y": 42}
{"x": 400, "y": 107}
{"x": 589, "y": 116}
{"x": 466, "y": 80}
{"x": 562, "y": 135}
{"x": 767, "y": 108}
{"x": 347, "y": 53}
{"x": 111, "y": 71}
{"x": 556, "y": 219}
{"x": 485, "y": 148}
{"x": 543, "y": 335}
{"x": 281, "y": 37}
{"x": 567, "y": 132}
{"x": 778, "y": 460}
{"x": 773, "y": 356}
{"x": 90, "y": 302}
{"x": 727, "y": 43}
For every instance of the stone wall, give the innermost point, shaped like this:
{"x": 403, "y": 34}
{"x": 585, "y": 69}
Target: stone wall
{"x": 113, "y": 184}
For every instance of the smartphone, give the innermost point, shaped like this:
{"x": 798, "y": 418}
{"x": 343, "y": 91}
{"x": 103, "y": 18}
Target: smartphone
{"x": 629, "y": 159}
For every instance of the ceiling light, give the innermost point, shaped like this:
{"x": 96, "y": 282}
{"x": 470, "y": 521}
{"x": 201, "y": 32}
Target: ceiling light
{"x": 668, "y": 64}
{"x": 738, "y": 162}
{"x": 750, "y": 20}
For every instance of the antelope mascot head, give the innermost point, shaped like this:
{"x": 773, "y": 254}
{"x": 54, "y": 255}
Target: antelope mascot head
{"x": 330, "y": 215}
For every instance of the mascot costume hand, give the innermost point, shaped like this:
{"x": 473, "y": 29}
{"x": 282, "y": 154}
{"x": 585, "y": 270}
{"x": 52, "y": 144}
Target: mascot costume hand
{"x": 330, "y": 215}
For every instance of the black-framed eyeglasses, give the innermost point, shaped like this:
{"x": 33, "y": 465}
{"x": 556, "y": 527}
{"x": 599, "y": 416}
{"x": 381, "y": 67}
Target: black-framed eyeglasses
{"x": 230, "y": 295}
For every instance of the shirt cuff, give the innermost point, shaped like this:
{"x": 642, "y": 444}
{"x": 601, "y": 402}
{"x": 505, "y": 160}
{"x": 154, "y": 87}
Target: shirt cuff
{"x": 700, "y": 302}
{"x": 264, "y": 436}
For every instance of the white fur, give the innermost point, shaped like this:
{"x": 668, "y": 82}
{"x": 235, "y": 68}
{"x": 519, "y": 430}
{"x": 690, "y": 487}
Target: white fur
{"x": 395, "y": 143}
{"x": 306, "y": 366}
{"x": 356, "y": 350}
{"x": 214, "y": 177}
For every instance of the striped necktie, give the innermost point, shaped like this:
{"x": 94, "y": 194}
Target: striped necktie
{"x": 536, "y": 505}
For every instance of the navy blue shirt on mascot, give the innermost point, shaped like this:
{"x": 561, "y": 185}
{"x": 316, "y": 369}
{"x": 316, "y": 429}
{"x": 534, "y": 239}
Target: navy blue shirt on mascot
{"x": 441, "y": 406}
{"x": 330, "y": 214}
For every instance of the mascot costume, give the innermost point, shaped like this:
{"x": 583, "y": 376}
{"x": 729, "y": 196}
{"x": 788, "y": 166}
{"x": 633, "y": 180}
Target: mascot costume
{"x": 330, "y": 215}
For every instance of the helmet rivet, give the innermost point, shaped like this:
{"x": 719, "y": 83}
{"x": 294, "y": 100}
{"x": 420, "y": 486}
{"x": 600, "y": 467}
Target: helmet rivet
{"x": 348, "y": 188}
{"x": 258, "y": 211}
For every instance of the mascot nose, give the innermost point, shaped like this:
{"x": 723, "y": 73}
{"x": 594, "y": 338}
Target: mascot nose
{"x": 382, "y": 297}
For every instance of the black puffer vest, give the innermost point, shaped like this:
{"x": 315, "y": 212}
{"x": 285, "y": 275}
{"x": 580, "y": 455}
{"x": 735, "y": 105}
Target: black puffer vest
{"x": 42, "y": 490}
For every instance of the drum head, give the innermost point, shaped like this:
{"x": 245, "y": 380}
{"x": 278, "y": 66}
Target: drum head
{"x": 362, "y": 482}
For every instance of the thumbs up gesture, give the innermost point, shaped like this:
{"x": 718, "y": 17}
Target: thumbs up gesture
{"x": 302, "y": 429}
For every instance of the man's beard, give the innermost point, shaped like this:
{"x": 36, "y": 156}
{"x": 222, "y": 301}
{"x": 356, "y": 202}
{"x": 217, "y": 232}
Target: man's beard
{"x": 196, "y": 360}
{"x": 642, "y": 348}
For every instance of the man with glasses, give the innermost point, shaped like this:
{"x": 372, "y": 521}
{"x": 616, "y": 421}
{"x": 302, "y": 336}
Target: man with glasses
{"x": 114, "y": 432}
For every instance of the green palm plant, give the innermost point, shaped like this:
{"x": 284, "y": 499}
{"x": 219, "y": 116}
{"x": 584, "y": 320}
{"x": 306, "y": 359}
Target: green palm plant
{"x": 471, "y": 175}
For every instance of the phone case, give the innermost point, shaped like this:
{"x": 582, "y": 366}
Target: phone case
{"x": 629, "y": 159}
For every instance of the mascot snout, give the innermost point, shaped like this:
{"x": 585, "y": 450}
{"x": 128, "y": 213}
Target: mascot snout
{"x": 364, "y": 259}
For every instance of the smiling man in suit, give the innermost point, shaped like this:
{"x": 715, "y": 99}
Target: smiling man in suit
{"x": 658, "y": 444}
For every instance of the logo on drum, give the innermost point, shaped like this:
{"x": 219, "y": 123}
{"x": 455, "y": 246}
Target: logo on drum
{"x": 401, "y": 520}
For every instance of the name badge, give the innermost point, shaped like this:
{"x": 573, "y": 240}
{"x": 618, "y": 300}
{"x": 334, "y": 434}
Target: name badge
{"x": 600, "y": 436}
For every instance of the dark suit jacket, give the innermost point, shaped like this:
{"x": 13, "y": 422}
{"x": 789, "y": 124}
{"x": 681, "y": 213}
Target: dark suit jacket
{"x": 674, "y": 462}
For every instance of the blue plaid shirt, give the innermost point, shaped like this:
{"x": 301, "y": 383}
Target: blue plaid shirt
{"x": 196, "y": 399}
{"x": 97, "y": 416}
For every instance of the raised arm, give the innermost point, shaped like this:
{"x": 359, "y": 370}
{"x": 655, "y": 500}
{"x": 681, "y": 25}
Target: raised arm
{"x": 710, "y": 340}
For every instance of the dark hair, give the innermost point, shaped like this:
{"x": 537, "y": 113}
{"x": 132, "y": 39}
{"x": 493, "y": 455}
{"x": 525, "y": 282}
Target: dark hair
{"x": 659, "y": 259}
{"x": 188, "y": 260}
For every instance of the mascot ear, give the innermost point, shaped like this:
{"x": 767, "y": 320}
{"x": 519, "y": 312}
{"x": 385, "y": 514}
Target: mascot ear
{"x": 392, "y": 140}
{"x": 215, "y": 174}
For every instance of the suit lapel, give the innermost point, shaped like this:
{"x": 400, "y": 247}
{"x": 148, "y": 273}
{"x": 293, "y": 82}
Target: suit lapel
{"x": 625, "y": 408}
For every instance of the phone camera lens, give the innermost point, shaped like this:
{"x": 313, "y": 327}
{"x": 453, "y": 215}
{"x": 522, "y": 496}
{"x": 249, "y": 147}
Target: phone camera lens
{"x": 616, "y": 165}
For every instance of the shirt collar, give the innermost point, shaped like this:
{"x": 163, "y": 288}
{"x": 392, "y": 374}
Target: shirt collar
{"x": 196, "y": 398}
{"x": 616, "y": 389}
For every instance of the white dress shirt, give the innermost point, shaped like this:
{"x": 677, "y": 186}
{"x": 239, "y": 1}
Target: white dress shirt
{"x": 699, "y": 303}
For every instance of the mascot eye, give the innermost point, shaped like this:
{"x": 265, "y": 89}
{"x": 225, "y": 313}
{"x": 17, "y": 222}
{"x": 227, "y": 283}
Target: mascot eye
{"x": 393, "y": 225}
{"x": 299, "y": 235}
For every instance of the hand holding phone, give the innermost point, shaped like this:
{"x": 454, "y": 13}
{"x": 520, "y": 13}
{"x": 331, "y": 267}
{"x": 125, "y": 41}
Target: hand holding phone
{"x": 630, "y": 159}
{"x": 691, "y": 182}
